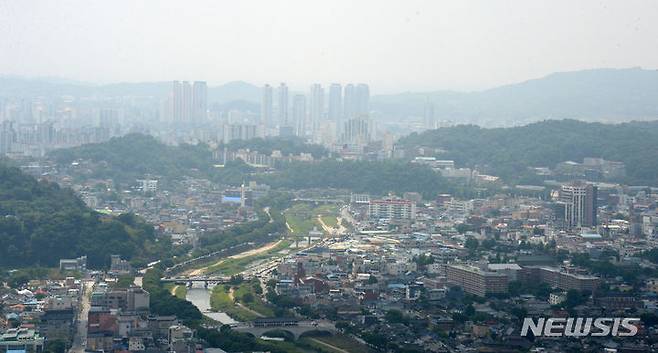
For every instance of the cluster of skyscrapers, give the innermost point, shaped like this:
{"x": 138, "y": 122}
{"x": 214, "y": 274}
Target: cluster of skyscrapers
{"x": 341, "y": 116}
{"x": 188, "y": 103}
{"x": 32, "y": 126}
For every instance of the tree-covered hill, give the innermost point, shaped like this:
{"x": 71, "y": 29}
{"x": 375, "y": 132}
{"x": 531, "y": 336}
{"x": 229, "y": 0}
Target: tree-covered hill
{"x": 127, "y": 158}
{"x": 377, "y": 178}
{"x": 508, "y": 152}
{"x": 132, "y": 156}
{"x": 41, "y": 223}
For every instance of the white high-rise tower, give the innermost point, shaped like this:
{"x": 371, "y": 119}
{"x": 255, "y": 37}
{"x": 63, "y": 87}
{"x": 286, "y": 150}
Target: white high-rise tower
{"x": 317, "y": 106}
{"x": 266, "y": 106}
{"x": 282, "y": 112}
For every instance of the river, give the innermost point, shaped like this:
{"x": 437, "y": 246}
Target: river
{"x": 200, "y": 297}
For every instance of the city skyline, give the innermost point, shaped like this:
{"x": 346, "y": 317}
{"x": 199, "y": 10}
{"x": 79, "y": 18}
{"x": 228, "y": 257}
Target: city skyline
{"x": 413, "y": 46}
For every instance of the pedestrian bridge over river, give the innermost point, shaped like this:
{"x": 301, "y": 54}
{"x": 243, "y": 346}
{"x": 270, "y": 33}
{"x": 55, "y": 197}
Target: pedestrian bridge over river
{"x": 260, "y": 327}
{"x": 206, "y": 280}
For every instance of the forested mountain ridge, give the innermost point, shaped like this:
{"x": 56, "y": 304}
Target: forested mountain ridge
{"x": 508, "y": 152}
{"x": 41, "y": 223}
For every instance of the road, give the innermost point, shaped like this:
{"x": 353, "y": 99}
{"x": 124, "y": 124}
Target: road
{"x": 80, "y": 338}
{"x": 346, "y": 215}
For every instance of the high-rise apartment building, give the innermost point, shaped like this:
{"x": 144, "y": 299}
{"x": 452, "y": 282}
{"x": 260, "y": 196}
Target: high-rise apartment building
{"x": 181, "y": 99}
{"x": 282, "y": 110}
{"x": 199, "y": 101}
{"x": 356, "y": 102}
{"x": 266, "y": 106}
{"x": 177, "y": 101}
{"x": 186, "y": 101}
{"x": 7, "y": 136}
{"x": 579, "y": 202}
{"x": 349, "y": 102}
{"x": 362, "y": 100}
{"x": 357, "y": 131}
{"x": 299, "y": 114}
{"x": 335, "y": 109}
{"x": 316, "y": 109}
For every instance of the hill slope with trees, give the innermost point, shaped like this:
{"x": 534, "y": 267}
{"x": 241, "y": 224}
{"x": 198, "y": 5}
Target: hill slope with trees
{"x": 41, "y": 223}
{"x": 508, "y": 152}
{"x": 376, "y": 178}
{"x": 130, "y": 157}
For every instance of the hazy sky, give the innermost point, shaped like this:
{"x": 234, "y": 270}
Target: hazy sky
{"x": 393, "y": 45}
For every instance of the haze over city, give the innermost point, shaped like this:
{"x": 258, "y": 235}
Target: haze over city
{"x": 395, "y": 46}
{"x": 328, "y": 176}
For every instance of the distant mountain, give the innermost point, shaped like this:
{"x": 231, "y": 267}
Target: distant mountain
{"x": 611, "y": 95}
{"x": 595, "y": 95}
{"x": 234, "y": 91}
{"x": 11, "y": 86}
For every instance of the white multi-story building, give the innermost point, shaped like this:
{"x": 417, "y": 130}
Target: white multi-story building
{"x": 579, "y": 201}
{"x": 360, "y": 198}
{"x": 393, "y": 209}
{"x": 148, "y": 185}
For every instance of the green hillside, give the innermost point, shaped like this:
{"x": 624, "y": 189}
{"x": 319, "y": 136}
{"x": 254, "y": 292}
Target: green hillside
{"x": 508, "y": 152}
{"x": 41, "y": 223}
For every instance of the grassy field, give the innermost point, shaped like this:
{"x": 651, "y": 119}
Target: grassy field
{"x": 252, "y": 299}
{"x": 231, "y": 267}
{"x": 343, "y": 344}
{"x": 220, "y": 301}
{"x": 288, "y": 347}
{"x": 302, "y": 217}
{"x": 331, "y": 221}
